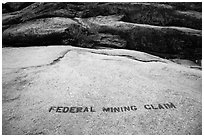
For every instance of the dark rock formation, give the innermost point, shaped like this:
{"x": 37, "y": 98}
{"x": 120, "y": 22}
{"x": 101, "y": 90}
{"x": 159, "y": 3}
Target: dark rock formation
{"x": 144, "y": 13}
{"x": 14, "y": 6}
{"x": 175, "y": 41}
{"x": 45, "y": 31}
{"x": 109, "y": 40}
{"x": 170, "y": 30}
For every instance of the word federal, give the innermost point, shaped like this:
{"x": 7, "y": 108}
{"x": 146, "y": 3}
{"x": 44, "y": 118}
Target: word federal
{"x": 71, "y": 109}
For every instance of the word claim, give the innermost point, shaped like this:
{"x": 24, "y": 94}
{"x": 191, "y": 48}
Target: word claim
{"x": 110, "y": 109}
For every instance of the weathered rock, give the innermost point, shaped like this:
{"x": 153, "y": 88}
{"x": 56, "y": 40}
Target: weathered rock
{"x": 38, "y": 32}
{"x": 123, "y": 25}
{"x": 144, "y": 13}
{"x": 126, "y": 92}
{"x": 186, "y": 6}
{"x": 107, "y": 31}
{"x": 72, "y": 90}
{"x": 180, "y": 42}
{"x": 108, "y": 40}
{"x": 162, "y": 15}
{"x": 15, "y": 6}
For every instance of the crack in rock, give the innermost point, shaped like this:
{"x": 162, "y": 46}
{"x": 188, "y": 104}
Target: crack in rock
{"x": 52, "y": 63}
{"x": 196, "y": 67}
{"x": 12, "y": 99}
{"x": 129, "y": 57}
{"x": 59, "y": 58}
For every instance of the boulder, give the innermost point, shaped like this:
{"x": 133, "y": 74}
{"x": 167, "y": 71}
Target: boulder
{"x": 43, "y": 31}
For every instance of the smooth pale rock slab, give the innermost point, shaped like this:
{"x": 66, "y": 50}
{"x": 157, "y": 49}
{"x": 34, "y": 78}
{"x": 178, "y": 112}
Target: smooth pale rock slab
{"x": 35, "y": 100}
{"x": 30, "y": 56}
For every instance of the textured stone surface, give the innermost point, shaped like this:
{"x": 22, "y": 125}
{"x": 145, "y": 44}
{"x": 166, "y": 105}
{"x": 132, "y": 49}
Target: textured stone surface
{"x": 167, "y": 29}
{"x": 36, "y": 78}
{"x": 177, "y": 41}
{"x": 43, "y": 31}
{"x": 144, "y": 13}
{"x": 123, "y": 29}
{"x": 14, "y": 6}
{"x": 103, "y": 90}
